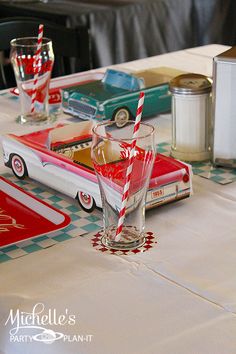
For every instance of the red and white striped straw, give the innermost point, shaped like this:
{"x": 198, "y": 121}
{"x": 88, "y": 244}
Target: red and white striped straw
{"x": 37, "y": 68}
{"x": 130, "y": 168}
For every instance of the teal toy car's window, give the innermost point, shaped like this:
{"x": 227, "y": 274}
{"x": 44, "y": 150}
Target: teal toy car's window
{"x": 121, "y": 80}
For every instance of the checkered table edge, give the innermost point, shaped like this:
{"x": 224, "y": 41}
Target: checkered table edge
{"x": 205, "y": 169}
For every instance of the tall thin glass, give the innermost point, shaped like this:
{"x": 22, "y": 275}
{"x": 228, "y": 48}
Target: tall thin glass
{"x": 26, "y": 67}
{"x": 110, "y": 151}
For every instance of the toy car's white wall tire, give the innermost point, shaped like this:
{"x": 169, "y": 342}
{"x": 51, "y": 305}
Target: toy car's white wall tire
{"x": 18, "y": 166}
{"x": 121, "y": 116}
{"x": 86, "y": 202}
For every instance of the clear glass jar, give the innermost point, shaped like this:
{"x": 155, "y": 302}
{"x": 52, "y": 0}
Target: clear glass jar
{"x": 191, "y": 117}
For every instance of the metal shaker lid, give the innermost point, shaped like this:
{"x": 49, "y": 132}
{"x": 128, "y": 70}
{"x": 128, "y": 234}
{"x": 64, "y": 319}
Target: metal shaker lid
{"x": 190, "y": 84}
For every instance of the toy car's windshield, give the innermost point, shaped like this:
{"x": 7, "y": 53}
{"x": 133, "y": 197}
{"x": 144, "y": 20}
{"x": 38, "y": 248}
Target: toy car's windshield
{"x": 77, "y": 151}
{"x": 121, "y": 79}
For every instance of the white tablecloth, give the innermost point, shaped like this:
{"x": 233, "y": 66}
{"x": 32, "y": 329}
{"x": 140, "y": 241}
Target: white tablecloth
{"x": 179, "y": 297}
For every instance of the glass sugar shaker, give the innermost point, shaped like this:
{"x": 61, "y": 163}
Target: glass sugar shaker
{"x": 191, "y": 117}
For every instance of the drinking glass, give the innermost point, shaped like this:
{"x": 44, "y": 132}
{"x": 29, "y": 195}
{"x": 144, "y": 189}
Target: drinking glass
{"x": 111, "y": 155}
{"x": 32, "y": 74}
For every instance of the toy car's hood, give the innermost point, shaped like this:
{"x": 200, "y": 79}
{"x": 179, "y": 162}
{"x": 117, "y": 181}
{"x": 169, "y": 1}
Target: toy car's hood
{"x": 98, "y": 91}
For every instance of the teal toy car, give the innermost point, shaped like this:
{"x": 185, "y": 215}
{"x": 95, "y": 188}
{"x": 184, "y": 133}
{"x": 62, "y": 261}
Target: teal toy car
{"x": 115, "y": 97}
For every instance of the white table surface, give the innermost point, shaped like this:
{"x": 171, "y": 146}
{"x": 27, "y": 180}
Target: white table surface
{"x": 177, "y": 298}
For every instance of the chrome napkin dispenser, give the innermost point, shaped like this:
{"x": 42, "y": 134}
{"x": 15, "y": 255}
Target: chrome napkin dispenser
{"x": 224, "y": 109}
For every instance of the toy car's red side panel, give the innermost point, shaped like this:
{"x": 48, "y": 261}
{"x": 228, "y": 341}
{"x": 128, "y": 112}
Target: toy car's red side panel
{"x": 167, "y": 170}
{"x": 52, "y": 157}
